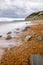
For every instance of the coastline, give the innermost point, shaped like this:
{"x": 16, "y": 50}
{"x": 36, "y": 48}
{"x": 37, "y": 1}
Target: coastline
{"x": 20, "y": 54}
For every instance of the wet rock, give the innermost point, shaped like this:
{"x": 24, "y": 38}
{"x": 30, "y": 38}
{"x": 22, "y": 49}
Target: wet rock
{"x": 23, "y": 30}
{"x": 17, "y": 29}
{"x": 40, "y": 38}
{"x": 42, "y": 31}
{"x": 17, "y": 32}
{"x": 9, "y": 32}
{"x": 27, "y": 38}
{"x": 26, "y": 28}
{"x": 0, "y": 36}
{"x": 26, "y": 35}
{"x": 36, "y": 60}
{"x": 8, "y": 37}
{"x": 26, "y": 23}
{"x": 10, "y": 46}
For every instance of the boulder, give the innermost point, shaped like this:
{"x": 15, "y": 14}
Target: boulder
{"x": 27, "y": 38}
{"x": 0, "y": 36}
{"x": 26, "y": 28}
{"x": 36, "y": 60}
{"x": 39, "y": 38}
{"x": 8, "y": 37}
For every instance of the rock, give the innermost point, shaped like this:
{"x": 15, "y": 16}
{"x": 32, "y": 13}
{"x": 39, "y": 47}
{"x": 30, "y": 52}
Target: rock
{"x": 10, "y": 46}
{"x": 26, "y": 23}
{"x": 33, "y": 35}
{"x": 8, "y": 37}
{"x": 40, "y": 38}
{"x": 36, "y": 60}
{"x": 17, "y": 32}
{"x": 26, "y": 35}
{"x": 17, "y": 29}
{"x": 27, "y": 38}
{"x": 9, "y": 32}
{"x": 26, "y": 28}
{"x": 0, "y": 36}
{"x": 42, "y": 31}
{"x": 23, "y": 30}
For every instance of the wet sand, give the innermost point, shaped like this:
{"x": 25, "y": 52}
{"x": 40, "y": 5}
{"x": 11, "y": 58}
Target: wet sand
{"x": 20, "y": 54}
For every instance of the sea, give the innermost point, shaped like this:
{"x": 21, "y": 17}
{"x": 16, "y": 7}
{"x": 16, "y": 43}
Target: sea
{"x": 11, "y": 25}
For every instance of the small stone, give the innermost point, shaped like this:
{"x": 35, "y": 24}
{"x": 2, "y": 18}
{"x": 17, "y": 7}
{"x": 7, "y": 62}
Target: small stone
{"x": 9, "y": 32}
{"x": 27, "y": 38}
{"x": 39, "y": 38}
{"x": 8, "y": 37}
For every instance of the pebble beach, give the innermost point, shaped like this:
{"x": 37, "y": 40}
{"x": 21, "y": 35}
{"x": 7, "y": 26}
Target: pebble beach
{"x": 19, "y": 41}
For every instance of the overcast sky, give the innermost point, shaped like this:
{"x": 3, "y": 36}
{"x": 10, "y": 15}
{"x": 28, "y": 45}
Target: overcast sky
{"x": 19, "y": 8}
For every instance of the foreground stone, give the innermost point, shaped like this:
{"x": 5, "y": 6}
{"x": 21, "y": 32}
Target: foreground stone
{"x": 27, "y": 38}
{"x": 40, "y": 38}
{"x": 36, "y": 60}
{"x": 8, "y": 37}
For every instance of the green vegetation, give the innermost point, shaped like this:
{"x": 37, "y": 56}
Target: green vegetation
{"x": 35, "y": 16}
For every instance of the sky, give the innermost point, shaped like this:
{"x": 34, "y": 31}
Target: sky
{"x": 19, "y": 8}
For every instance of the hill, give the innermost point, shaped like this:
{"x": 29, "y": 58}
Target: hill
{"x": 35, "y": 16}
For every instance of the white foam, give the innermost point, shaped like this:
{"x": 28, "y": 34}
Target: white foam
{"x": 4, "y": 28}
{"x": 10, "y": 19}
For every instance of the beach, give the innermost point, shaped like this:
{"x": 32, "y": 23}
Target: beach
{"x": 15, "y": 47}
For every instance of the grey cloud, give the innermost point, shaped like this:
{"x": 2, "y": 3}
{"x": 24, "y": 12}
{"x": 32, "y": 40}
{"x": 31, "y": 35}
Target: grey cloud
{"x": 19, "y": 8}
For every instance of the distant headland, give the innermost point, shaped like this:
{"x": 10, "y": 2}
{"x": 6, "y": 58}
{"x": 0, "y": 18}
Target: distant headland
{"x": 35, "y": 16}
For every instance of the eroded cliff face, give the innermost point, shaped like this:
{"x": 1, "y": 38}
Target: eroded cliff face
{"x": 35, "y": 16}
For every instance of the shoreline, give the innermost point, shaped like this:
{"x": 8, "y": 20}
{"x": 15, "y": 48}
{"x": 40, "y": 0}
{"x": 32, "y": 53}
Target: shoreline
{"x": 21, "y": 54}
